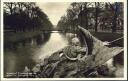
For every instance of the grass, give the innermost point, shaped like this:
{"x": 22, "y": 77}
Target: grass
{"x": 107, "y": 36}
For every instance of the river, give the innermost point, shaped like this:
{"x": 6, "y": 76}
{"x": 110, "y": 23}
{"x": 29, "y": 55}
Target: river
{"x": 31, "y": 51}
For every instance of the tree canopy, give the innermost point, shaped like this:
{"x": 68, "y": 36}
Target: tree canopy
{"x": 22, "y": 16}
{"x": 93, "y": 15}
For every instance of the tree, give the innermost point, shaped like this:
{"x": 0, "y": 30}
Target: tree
{"x": 94, "y": 15}
{"x": 22, "y": 16}
{"x": 116, "y": 9}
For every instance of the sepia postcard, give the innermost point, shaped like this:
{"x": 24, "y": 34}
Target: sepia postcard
{"x": 63, "y": 40}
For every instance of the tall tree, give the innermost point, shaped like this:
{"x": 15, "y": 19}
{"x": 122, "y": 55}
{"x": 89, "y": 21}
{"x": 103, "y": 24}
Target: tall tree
{"x": 22, "y": 16}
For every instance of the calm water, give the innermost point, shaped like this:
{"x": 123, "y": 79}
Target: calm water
{"x": 30, "y": 51}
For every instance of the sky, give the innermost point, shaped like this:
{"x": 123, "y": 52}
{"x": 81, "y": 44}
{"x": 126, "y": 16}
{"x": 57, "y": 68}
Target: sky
{"x": 54, "y": 10}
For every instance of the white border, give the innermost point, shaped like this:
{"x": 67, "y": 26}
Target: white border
{"x": 125, "y": 40}
{"x": 63, "y": 0}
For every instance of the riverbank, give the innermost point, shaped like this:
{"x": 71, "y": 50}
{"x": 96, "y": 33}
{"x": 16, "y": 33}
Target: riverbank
{"x": 107, "y": 36}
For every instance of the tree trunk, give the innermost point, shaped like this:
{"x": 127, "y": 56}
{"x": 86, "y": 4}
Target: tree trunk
{"x": 96, "y": 16}
{"x": 114, "y": 27}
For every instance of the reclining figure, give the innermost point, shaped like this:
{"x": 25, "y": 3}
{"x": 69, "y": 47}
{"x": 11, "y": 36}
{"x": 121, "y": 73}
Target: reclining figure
{"x": 78, "y": 60}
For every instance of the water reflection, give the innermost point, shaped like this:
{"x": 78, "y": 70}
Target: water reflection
{"x": 55, "y": 43}
{"x": 29, "y": 51}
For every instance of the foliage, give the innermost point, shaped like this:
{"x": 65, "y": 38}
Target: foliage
{"x": 23, "y": 16}
{"x": 93, "y": 15}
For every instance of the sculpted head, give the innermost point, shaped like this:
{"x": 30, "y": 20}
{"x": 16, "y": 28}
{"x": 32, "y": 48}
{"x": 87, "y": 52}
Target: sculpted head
{"x": 75, "y": 41}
